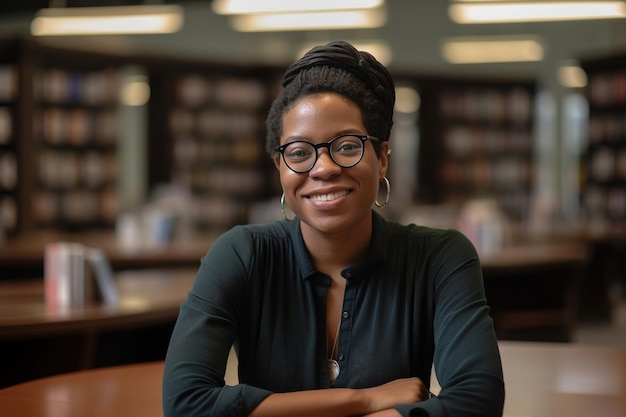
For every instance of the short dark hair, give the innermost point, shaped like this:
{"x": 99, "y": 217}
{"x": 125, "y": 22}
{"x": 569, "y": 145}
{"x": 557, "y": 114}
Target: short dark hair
{"x": 337, "y": 68}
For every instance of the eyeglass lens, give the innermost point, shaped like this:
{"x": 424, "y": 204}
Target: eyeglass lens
{"x": 345, "y": 151}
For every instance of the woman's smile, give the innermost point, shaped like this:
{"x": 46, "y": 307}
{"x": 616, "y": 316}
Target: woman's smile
{"x": 328, "y": 196}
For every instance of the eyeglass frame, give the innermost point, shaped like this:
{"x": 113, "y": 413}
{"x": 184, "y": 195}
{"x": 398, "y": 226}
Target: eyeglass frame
{"x": 363, "y": 138}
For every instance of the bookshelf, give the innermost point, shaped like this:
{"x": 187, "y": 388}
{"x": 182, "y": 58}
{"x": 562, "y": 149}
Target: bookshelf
{"x": 604, "y": 174}
{"x": 9, "y": 164}
{"x": 207, "y": 135}
{"x": 476, "y": 140}
{"x": 58, "y": 137}
{"x": 75, "y": 129}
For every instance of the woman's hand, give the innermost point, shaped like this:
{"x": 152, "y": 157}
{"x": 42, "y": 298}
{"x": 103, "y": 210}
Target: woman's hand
{"x": 394, "y": 393}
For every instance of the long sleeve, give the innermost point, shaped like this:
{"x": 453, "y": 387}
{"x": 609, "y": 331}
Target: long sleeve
{"x": 466, "y": 356}
{"x": 193, "y": 382}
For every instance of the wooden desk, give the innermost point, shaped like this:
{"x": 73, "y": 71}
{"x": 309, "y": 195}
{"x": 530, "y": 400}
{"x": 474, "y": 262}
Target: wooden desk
{"x": 38, "y": 341}
{"x": 542, "y": 380}
{"x": 23, "y": 256}
{"x": 534, "y": 289}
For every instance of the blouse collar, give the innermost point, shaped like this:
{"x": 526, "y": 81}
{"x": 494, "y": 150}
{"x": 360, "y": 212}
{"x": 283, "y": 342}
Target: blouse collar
{"x": 377, "y": 253}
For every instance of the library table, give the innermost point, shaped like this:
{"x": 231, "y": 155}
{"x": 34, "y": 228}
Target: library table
{"x": 23, "y": 256}
{"x": 38, "y": 340}
{"x": 542, "y": 380}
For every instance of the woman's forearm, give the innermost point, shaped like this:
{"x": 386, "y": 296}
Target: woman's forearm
{"x": 342, "y": 402}
{"x": 337, "y": 402}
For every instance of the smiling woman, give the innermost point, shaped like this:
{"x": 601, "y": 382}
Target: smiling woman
{"x": 336, "y": 312}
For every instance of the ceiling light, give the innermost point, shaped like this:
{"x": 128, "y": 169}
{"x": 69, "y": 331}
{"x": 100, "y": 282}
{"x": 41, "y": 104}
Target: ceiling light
{"x": 355, "y": 19}
{"x": 492, "y": 50}
{"x": 536, "y": 11}
{"x": 107, "y": 20}
{"x": 289, "y": 6}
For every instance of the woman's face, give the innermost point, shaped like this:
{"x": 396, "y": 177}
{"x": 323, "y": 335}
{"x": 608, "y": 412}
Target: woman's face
{"x": 329, "y": 198}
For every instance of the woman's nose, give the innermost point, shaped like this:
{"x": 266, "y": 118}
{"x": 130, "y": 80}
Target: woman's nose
{"x": 324, "y": 166}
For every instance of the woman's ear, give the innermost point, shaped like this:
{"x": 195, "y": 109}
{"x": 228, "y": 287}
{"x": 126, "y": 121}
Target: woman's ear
{"x": 277, "y": 160}
{"x": 383, "y": 160}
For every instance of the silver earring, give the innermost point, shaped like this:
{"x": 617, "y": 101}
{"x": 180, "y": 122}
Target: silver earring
{"x": 283, "y": 206}
{"x": 388, "y": 187}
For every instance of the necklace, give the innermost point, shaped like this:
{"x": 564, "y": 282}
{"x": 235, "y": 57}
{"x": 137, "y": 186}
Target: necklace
{"x": 333, "y": 365}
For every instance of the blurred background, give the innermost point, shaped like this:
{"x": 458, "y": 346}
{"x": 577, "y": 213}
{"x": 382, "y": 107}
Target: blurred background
{"x": 511, "y": 125}
{"x": 149, "y": 145}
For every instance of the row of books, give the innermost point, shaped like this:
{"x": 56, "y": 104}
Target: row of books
{"x": 213, "y": 122}
{"x": 608, "y": 88}
{"x": 471, "y": 141}
{"x": 194, "y": 90}
{"x": 63, "y": 169}
{"x": 608, "y": 202}
{"x": 88, "y": 88}
{"x": 506, "y": 105}
{"x": 75, "y": 207}
{"x": 607, "y": 128}
{"x": 192, "y": 151}
{"x": 8, "y": 213}
{"x": 8, "y": 171}
{"x": 607, "y": 164}
{"x": 77, "y": 126}
{"x": 226, "y": 180}
{"x": 488, "y": 174}
{"x": 9, "y": 81}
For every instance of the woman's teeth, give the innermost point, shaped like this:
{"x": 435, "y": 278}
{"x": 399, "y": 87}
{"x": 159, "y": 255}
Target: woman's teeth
{"x": 329, "y": 197}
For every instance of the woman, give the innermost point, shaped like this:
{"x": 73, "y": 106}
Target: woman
{"x": 336, "y": 297}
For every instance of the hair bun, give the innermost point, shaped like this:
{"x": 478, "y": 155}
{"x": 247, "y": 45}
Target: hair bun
{"x": 342, "y": 55}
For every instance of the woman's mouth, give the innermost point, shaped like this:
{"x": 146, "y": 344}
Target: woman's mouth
{"x": 328, "y": 196}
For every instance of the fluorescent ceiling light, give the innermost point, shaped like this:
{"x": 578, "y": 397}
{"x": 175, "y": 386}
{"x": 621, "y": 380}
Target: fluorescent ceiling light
{"x": 360, "y": 19}
{"x": 289, "y": 6}
{"x": 379, "y": 49}
{"x": 107, "y": 20}
{"x": 491, "y": 50}
{"x": 536, "y": 11}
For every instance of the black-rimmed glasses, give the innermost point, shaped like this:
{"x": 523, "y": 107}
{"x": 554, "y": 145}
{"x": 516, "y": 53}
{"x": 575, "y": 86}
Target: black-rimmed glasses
{"x": 345, "y": 151}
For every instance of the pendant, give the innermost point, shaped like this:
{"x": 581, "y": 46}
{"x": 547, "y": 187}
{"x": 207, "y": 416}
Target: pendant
{"x": 333, "y": 371}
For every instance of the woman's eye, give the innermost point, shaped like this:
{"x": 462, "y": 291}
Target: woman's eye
{"x": 348, "y": 146}
{"x": 298, "y": 153}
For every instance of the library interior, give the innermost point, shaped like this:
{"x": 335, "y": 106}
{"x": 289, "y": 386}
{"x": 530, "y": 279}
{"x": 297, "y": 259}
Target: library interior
{"x": 125, "y": 154}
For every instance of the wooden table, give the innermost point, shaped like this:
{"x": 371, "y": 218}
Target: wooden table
{"x": 534, "y": 289}
{"x": 22, "y": 256}
{"x": 37, "y": 340}
{"x": 542, "y": 380}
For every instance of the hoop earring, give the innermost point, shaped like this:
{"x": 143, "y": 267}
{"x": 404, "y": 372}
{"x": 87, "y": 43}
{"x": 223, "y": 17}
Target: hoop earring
{"x": 283, "y": 206}
{"x": 388, "y": 187}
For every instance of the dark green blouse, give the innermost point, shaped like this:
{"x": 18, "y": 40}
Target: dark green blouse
{"x": 418, "y": 298}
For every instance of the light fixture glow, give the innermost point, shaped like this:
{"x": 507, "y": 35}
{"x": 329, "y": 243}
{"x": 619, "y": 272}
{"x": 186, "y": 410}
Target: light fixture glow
{"x": 408, "y": 100}
{"x": 107, "y": 20}
{"x": 135, "y": 91}
{"x": 536, "y": 11}
{"x": 289, "y": 6}
{"x": 572, "y": 76}
{"x": 310, "y": 21}
{"x": 492, "y": 50}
